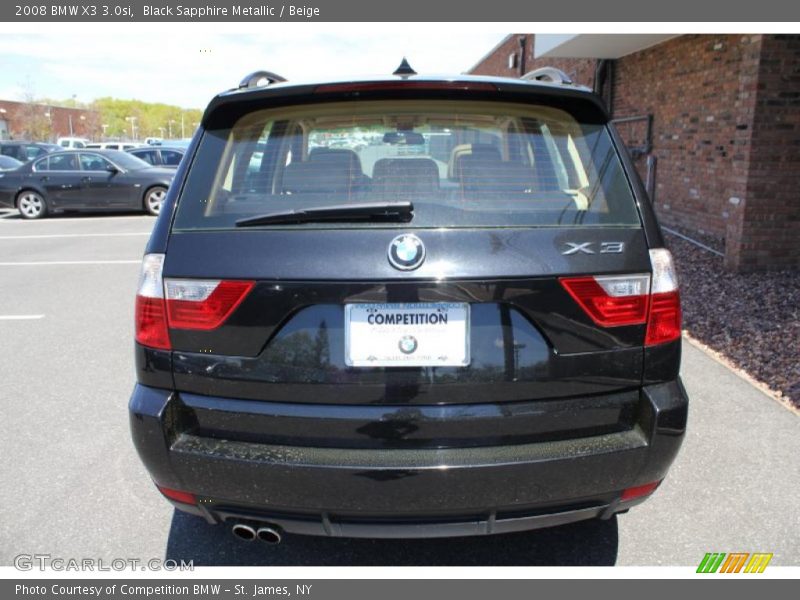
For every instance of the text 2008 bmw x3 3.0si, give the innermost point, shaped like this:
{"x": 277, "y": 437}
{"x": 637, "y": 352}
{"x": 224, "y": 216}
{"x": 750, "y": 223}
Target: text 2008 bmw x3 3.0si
{"x": 406, "y": 307}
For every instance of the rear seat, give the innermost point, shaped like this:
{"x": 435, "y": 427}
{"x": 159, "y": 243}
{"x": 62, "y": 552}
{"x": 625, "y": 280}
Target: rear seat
{"x": 484, "y": 171}
{"x": 331, "y": 170}
{"x": 403, "y": 176}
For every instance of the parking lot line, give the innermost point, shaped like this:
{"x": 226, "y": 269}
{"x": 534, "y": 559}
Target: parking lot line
{"x": 71, "y": 235}
{"x": 47, "y": 263}
{"x": 20, "y": 317}
{"x": 9, "y": 220}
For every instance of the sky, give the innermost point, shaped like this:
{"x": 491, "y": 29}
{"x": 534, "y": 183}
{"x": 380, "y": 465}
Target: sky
{"x": 187, "y": 65}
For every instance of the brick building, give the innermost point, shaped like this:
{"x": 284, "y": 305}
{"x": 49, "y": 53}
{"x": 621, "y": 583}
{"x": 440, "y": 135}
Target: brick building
{"x": 45, "y": 122}
{"x": 723, "y": 153}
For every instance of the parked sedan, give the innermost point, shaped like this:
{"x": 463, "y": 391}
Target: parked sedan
{"x": 8, "y": 163}
{"x": 96, "y": 180}
{"x": 160, "y": 156}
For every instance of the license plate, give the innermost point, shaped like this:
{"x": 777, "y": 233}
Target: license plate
{"x": 407, "y": 335}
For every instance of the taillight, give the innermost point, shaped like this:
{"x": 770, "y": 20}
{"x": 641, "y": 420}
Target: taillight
{"x": 203, "y": 304}
{"x": 611, "y": 301}
{"x": 151, "y": 311}
{"x": 664, "y": 322}
{"x": 614, "y": 301}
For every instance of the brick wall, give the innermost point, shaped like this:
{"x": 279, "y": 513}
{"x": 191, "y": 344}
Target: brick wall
{"x": 726, "y": 134}
{"x": 768, "y": 235}
{"x": 31, "y": 121}
{"x": 699, "y": 90}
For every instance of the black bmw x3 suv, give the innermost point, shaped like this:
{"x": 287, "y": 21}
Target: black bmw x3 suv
{"x": 406, "y": 307}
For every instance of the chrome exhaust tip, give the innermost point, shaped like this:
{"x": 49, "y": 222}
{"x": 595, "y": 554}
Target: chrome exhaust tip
{"x": 244, "y": 532}
{"x": 269, "y": 535}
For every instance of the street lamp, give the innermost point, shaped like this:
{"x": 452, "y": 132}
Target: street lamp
{"x": 104, "y": 126}
{"x": 169, "y": 124}
{"x": 132, "y": 121}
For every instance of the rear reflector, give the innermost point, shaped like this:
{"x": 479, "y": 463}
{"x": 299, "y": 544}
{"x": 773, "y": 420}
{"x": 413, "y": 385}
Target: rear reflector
{"x": 639, "y": 491}
{"x": 151, "y": 312}
{"x": 177, "y": 495}
{"x": 611, "y": 301}
{"x": 203, "y": 304}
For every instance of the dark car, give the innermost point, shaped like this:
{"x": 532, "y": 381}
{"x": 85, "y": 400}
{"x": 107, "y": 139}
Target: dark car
{"x": 159, "y": 156}
{"x": 25, "y": 151}
{"x": 8, "y": 163}
{"x": 93, "y": 180}
{"x": 427, "y": 307}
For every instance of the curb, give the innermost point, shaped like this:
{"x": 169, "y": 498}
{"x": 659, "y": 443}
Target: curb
{"x": 741, "y": 373}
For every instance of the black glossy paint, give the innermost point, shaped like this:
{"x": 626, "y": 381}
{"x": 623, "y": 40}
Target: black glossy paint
{"x": 407, "y": 483}
{"x": 402, "y": 426}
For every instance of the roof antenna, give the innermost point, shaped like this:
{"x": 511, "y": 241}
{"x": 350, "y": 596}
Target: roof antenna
{"x": 404, "y": 70}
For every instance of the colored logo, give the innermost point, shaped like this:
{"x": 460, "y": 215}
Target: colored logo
{"x": 407, "y": 344}
{"x": 406, "y": 252}
{"x": 734, "y": 562}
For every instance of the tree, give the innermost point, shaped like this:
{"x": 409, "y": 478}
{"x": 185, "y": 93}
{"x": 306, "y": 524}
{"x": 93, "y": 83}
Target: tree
{"x": 33, "y": 121}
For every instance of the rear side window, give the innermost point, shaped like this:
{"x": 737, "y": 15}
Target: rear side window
{"x": 171, "y": 158}
{"x": 63, "y": 162}
{"x": 94, "y": 162}
{"x": 461, "y": 163}
{"x": 149, "y": 156}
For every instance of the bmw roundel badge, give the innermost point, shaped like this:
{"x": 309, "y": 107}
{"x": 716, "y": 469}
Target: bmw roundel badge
{"x": 406, "y": 252}
{"x": 407, "y": 344}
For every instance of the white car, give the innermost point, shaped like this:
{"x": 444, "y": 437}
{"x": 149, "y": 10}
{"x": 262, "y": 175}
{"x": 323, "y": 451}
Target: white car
{"x": 72, "y": 143}
{"x": 114, "y": 145}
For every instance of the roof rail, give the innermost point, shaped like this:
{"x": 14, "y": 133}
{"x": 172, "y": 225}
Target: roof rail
{"x": 548, "y": 74}
{"x": 259, "y": 79}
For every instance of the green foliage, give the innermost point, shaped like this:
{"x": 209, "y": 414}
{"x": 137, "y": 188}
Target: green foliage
{"x": 151, "y": 119}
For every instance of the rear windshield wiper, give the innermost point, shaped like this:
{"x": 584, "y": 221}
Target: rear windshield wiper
{"x": 343, "y": 213}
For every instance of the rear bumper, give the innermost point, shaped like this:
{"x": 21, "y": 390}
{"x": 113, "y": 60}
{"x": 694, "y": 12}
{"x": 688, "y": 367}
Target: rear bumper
{"x": 406, "y": 492}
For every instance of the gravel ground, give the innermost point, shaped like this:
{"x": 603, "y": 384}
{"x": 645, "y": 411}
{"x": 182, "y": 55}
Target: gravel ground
{"x": 752, "y": 319}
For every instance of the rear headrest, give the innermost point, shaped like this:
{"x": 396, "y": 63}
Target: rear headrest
{"x": 342, "y": 156}
{"x": 323, "y": 176}
{"x": 405, "y": 175}
{"x": 494, "y": 176}
{"x": 487, "y": 151}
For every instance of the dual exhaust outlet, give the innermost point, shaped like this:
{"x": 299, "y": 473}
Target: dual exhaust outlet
{"x": 268, "y": 534}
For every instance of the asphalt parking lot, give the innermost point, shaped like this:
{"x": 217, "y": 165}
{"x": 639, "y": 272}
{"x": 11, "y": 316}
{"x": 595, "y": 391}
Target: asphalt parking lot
{"x": 75, "y": 488}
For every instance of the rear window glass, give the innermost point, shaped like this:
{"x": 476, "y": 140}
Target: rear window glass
{"x": 461, "y": 164}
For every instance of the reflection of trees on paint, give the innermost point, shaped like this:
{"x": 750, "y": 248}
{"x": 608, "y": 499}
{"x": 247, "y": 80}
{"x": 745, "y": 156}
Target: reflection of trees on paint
{"x": 322, "y": 349}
